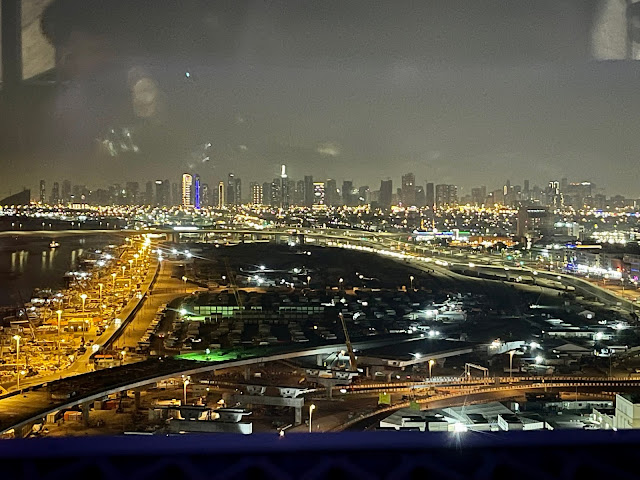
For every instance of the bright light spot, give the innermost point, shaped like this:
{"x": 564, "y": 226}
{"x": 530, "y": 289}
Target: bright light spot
{"x": 539, "y": 359}
{"x": 459, "y": 427}
{"x": 187, "y": 74}
{"x": 262, "y": 267}
{"x": 343, "y": 390}
{"x": 534, "y": 345}
{"x": 183, "y": 312}
{"x": 417, "y": 355}
{"x": 95, "y": 347}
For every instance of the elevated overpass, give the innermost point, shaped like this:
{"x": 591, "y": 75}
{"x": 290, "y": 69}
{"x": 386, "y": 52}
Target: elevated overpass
{"x": 20, "y": 409}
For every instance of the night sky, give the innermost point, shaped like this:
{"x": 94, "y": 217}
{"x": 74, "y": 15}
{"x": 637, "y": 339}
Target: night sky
{"x": 466, "y": 92}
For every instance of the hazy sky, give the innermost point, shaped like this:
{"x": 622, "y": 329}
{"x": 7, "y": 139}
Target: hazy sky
{"x": 466, "y": 92}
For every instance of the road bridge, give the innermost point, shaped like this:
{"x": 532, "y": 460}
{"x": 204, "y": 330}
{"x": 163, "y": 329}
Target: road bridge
{"x": 19, "y": 410}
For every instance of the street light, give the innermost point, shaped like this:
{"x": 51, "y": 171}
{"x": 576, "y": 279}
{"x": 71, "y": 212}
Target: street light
{"x": 21, "y": 372}
{"x": 184, "y": 279}
{"x": 123, "y": 353}
{"x": 123, "y": 269}
{"x": 431, "y": 364}
{"x": 308, "y": 280}
{"x": 411, "y": 278}
{"x": 17, "y": 339}
{"x": 185, "y": 383}
{"x": 312, "y": 407}
{"x": 84, "y": 299}
{"x": 113, "y": 281}
{"x": 341, "y": 281}
{"x": 136, "y": 256}
{"x": 511, "y": 364}
{"x": 59, "y": 312}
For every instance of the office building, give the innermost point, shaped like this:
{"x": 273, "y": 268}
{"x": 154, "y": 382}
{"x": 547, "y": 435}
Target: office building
{"x": 175, "y": 194}
{"x": 430, "y": 196}
{"x": 43, "y": 192}
{"x": 331, "y": 195}
{"x": 234, "y": 190}
{"x": 66, "y": 191}
{"x": 221, "y": 194}
{"x": 386, "y": 193}
{"x": 205, "y": 195}
{"x": 533, "y": 223}
{"x": 54, "y": 199}
{"x": 446, "y": 195}
{"x": 256, "y": 193}
{"x": 197, "y": 199}
{"x": 187, "y": 190}
{"x": 478, "y": 195}
{"x": 319, "y": 194}
{"x": 408, "y": 190}
{"x": 308, "y": 191}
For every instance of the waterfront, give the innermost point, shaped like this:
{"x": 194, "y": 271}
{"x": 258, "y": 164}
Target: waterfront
{"x": 29, "y": 263}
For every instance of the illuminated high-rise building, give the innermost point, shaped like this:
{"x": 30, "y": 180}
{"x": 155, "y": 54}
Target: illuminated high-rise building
{"x": 256, "y": 193}
{"x": 285, "y": 196}
{"x": 187, "y": 185}
{"x": 221, "y": 194}
{"x": 319, "y": 194}
{"x": 196, "y": 194}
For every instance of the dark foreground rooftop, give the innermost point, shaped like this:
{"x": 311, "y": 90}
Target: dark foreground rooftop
{"x": 392, "y": 455}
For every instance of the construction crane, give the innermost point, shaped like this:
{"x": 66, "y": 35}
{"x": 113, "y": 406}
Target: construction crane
{"x": 347, "y": 341}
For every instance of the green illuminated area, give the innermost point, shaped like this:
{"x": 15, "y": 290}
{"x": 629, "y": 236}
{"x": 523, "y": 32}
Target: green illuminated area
{"x": 224, "y": 355}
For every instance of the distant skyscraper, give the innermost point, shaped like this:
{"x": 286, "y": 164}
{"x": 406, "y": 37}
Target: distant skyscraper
{"x": 284, "y": 188}
{"x": 133, "y": 193}
{"x": 266, "y": 193}
{"x": 526, "y": 185}
{"x": 234, "y": 190}
{"x": 256, "y": 193}
{"x": 479, "y": 195}
{"x": 43, "y": 192}
{"x": 66, "y": 191}
{"x": 55, "y": 194}
{"x": 364, "y": 195}
{"x": 221, "y": 194}
{"x": 430, "y": 196}
{"x": 446, "y": 195}
{"x": 205, "y": 195}
{"x": 298, "y": 196}
{"x": 408, "y": 192}
{"x": 319, "y": 194}
{"x": 348, "y": 198}
{"x": 331, "y": 192}
{"x": 386, "y": 192}
{"x": 420, "y": 196}
{"x": 175, "y": 194}
{"x": 148, "y": 194}
{"x": 197, "y": 193}
{"x": 308, "y": 190}
{"x": 162, "y": 192}
{"x": 187, "y": 185}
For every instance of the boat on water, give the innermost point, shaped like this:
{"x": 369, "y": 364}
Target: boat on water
{"x": 54, "y": 244}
